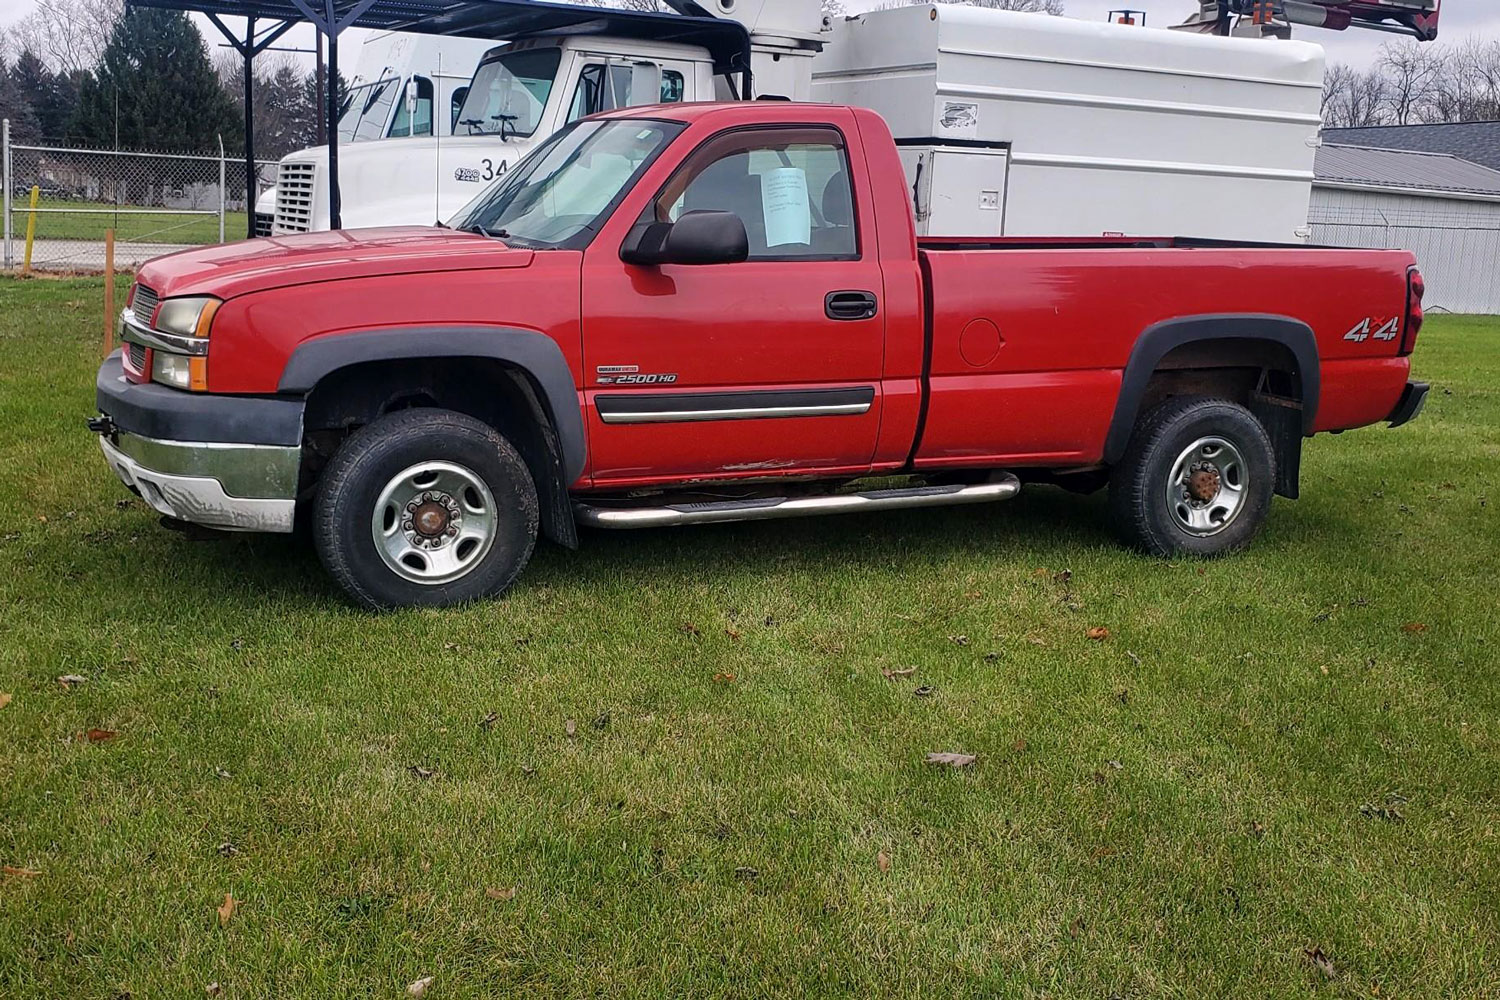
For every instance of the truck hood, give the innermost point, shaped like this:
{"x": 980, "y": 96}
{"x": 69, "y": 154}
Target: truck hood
{"x": 275, "y": 261}
{"x": 413, "y": 181}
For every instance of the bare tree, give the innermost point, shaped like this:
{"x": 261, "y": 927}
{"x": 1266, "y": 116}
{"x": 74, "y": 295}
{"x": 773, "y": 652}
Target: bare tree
{"x": 69, "y": 35}
{"x": 1411, "y": 71}
{"x": 1054, "y": 7}
{"x": 1353, "y": 99}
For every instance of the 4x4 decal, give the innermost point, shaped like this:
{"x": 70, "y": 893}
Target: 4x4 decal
{"x": 1386, "y": 331}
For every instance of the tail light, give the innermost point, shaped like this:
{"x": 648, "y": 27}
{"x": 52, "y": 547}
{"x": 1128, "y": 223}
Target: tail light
{"x": 1415, "y": 289}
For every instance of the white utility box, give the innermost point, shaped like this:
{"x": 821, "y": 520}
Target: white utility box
{"x": 1027, "y": 125}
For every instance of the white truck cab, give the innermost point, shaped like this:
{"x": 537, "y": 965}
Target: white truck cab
{"x": 520, "y": 94}
{"x": 407, "y": 86}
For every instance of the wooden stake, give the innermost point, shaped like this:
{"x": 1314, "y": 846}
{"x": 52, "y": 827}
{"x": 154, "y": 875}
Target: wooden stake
{"x": 109, "y": 291}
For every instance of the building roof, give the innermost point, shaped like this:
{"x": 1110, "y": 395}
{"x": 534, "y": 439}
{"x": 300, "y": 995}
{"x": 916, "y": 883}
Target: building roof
{"x": 1436, "y": 173}
{"x": 1478, "y": 142}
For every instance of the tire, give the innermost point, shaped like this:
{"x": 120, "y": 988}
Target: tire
{"x": 1221, "y": 491}
{"x": 456, "y": 505}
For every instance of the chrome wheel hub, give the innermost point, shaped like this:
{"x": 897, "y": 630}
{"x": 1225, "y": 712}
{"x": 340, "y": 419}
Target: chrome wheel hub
{"x": 1206, "y": 489}
{"x": 434, "y": 522}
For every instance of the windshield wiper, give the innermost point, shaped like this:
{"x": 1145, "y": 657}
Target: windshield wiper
{"x": 494, "y": 234}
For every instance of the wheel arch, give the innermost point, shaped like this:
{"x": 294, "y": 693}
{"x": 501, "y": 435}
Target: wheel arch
{"x": 1156, "y": 342}
{"x": 1233, "y": 347}
{"x": 519, "y": 373}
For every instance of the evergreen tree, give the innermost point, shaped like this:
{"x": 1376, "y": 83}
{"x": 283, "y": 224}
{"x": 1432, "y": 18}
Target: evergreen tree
{"x": 154, "y": 89}
{"x": 51, "y": 95}
{"x": 15, "y": 104}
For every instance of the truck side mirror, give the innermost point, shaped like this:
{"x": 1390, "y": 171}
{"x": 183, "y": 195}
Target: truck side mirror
{"x": 696, "y": 238}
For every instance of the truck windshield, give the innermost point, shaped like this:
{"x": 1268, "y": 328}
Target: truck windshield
{"x": 366, "y": 109}
{"x": 508, "y": 94}
{"x": 557, "y": 194}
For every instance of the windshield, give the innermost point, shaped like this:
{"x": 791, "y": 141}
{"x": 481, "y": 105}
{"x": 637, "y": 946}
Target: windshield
{"x": 508, "y": 94}
{"x": 366, "y": 108}
{"x": 557, "y": 194}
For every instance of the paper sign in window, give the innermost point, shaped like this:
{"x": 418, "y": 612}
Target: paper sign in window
{"x": 787, "y": 211}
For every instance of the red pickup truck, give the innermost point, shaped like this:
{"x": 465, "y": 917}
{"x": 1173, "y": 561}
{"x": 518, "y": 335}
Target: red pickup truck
{"x": 691, "y": 313}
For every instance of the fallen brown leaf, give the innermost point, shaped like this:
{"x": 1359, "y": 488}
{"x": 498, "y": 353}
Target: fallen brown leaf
{"x": 959, "y": 640}
{"x": 450, "y": 647}
{"x": 20, "y": 872}
{"x": 213, "y": 989}
{"x": 4, "y": 698}
{"x": 488, "y": 722}
{"x": 688, "y": 628}
{"x": 1098, "y": 634}
{"x": 734, "y": 633}
{"x": 949, "y": 759}
{"x": 570, "y": 728}
{"x": 502, "y": 894}
{"x": 1414, "y": 627}
{"x": 226, "y": 911}
{"x": 1020, "y": 744}
{"x": 69, "y": 680}
{"x": 1257, "y": 829}
{"x": 884, "y": 861}
{"x": 418, "y": 987}
{"x": 1076, "y": 927}
{"x": 925, "y": 691}
{"x": 101, "y": 735}
{"x": 746, "y": 873}
{"x": 892, "y": 675}
{"x": 418, "y": 771}
{"x": 1320, "y": 961}
{"x": 724, "y": 678}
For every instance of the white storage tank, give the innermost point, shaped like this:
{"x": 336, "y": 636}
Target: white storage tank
{"x": 1027, "y": 125}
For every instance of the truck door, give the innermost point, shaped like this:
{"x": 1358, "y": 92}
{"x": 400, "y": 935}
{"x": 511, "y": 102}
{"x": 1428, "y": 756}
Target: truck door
{"x": 606, "y": 83}
{"x": 766, "y": 366}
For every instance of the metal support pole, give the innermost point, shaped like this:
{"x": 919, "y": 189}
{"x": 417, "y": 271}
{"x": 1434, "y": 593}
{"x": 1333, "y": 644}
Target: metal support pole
{"x": 335, "y": 206}
{"x": 224, "y": 193}
{"x": 320, "y": 75}
{"x": 5, "y": 177}
{"x": 249, "y": 53}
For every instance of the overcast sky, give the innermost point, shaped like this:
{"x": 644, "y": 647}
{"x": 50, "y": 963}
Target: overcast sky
{"x": 1461, "y": 19}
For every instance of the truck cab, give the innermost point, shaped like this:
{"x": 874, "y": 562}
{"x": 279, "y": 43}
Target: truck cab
{"x": 520, "y": 94}
{"x": 408, "y": 86}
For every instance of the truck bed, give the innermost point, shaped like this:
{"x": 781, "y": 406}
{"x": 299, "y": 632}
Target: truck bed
{"x": 1029, "y": 338}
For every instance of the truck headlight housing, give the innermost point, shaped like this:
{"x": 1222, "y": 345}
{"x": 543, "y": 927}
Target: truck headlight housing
{"x": 179, "y": 371}
{"x": 190, "y": 316}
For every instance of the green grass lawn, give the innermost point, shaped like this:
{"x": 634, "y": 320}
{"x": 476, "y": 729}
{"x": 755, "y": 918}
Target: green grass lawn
{"x": 132, "y": 223}
{"x": 1296, "y": 750}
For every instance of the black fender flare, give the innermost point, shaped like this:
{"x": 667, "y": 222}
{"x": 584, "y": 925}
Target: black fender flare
{"x": 536, "y": 354}
{"x": 1158, "y": 340}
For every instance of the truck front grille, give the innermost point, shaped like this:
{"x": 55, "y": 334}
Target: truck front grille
{"x": 135, "y": 358}
{"x": 295, "y": 182}
{"x": 143, "y": 305}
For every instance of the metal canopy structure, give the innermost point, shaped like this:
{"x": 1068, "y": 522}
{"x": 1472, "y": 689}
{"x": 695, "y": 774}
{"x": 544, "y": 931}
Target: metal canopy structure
{"x": 726, "y": 41}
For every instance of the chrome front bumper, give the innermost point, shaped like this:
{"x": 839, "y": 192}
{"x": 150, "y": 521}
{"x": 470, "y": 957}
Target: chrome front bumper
{"x": 235, "y": 487}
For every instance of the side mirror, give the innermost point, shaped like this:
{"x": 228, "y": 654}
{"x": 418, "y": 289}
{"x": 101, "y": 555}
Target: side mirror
{"x": 696, "y": 238}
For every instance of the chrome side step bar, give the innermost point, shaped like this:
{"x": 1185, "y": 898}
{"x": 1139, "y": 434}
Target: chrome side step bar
{"x": 1002, "y": 487}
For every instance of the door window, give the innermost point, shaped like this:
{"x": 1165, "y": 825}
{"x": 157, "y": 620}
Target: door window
{"x": 790, "y": 187}
{"x": 602, "y": 87}
{"x": 421, "y": 122}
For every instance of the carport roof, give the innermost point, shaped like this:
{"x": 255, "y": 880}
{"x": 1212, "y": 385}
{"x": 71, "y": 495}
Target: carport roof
{"x": 1433, "y": 173}
{"x": 727, "y": 41}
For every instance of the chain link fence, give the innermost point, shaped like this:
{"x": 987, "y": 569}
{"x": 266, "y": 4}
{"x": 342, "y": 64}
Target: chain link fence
{"x": 156, "y": 203}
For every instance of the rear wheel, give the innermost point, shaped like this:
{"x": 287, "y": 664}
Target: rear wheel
{"x": 425, "y": 507}
{"x": 1196, "y": 479}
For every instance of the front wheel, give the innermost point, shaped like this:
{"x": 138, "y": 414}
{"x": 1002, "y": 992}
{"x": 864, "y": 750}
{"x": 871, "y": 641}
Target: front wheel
{"x": 1196, "y": 479}
{"x": 425, "y": 507}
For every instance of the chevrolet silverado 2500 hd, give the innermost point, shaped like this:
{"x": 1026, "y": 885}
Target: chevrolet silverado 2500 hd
{"x": 691, "y": 313}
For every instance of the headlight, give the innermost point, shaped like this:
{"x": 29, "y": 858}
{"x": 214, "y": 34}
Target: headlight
{"x": 187, "y": 317}
{"x": 179, "y": 371}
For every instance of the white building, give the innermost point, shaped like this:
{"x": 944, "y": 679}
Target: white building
{"x": 1444, "y": 209}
